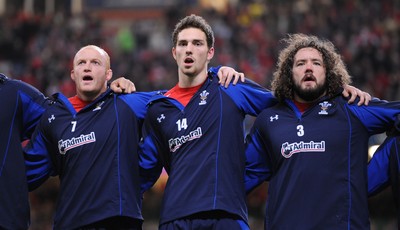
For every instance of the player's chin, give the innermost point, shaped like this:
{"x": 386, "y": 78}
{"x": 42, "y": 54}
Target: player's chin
{"x": 189, "y": 72}
{"x": 309, "y": 85}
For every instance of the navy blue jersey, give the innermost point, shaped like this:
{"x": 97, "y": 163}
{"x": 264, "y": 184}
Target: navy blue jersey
{"x": 384, "y": 170}
{"x": 22, "y": 105}
{"x": 202, "y": 146}
{"x": 316, "y": 162}
{"x": 95, "y": 154}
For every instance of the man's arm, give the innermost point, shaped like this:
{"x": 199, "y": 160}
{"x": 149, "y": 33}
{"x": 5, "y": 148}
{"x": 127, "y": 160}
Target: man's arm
{"x": 37, "y": 161}
{"x": 33, "y": 102}
{"x": 150, "y": 166}
{"x": 229, "y": 75}
{"x": 122, "y": 85}
{"x": 379, "y": 166}
{"x": 352, "y": 91}
{"x": 257, "y": 170}
{"x": 226, "y": 74}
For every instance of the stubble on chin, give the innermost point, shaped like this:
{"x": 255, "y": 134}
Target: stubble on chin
{"x": 309, "y": 94}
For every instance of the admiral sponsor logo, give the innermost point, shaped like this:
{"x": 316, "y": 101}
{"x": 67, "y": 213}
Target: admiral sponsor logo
{"x": 176, "y": 143}
{"x": 64, "y": 146}
{"x": 287, "y": 150}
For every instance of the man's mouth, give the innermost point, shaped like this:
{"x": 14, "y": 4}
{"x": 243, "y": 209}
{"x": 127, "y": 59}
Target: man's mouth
{"x": 188, "y": 60}
{"x": 309, "y": 77}
{"x": 87, "y": 78}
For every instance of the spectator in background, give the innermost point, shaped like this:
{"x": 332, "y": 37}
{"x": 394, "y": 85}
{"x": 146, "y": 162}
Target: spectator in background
{"x": 247, "y": 30}
{"x": 312, "y": 146}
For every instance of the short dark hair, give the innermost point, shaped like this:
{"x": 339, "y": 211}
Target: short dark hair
{"x": 193, "y": 21}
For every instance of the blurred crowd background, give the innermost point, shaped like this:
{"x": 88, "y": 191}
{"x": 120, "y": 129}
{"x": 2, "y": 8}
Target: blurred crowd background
{"x": 38, "y": 39}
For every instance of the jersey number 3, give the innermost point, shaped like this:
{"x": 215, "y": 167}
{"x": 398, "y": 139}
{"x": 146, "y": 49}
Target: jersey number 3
{"x": 300, "y": 130}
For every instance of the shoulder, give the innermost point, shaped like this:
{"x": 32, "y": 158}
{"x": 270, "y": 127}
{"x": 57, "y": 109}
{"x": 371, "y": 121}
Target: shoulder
{"x": 272, "y": 111}
{"x": 136, "y": 97}
{"x": 247, "y": 87}
{"x": 137, "y": 101}
{"x": 18, "y": 84}
{"x": 27, "y": 92}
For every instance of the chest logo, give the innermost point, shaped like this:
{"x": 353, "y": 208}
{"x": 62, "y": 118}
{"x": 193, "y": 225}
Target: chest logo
{"x": 324, "y": 107}
{"x": 288, "y": 149}
{"x": 203, "y": 97}
{"x": 65, "y": 145}
{"x": 160, "y": 118}
{"x": 176, "y": 143}
{"x": 272, "y": 118}
{"x": 51, "y": 118}
{"x": 98, "y": 106}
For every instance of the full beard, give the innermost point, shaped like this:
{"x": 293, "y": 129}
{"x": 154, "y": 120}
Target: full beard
{"x": 310, "y": 95}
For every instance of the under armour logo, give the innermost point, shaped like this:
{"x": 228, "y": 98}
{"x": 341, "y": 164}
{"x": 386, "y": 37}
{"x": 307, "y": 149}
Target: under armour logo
{"x": 272, "y": 118}
{"x": 160, "y": 118}
{"x": 51, "y": 118}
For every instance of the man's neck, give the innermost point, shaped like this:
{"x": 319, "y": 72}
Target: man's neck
{"x": 186, "y": 81}
{"x": 78, "y": 103}
{"x": 89, "y": 97}
{"x": 302, "y": 106}
{"x": 301, "y": 100}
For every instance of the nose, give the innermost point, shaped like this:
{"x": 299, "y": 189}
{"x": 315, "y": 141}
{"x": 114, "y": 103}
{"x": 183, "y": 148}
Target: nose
{"x": 309, "y": 66}
{"x": 189, "y": 48}
{"x": 87, "y": 67}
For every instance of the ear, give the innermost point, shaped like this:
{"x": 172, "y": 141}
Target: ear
{"x": 109, "y": 74}
{"x": 174, "y": 52}
{"x": 72, "y": 75}
{"x": 210, "y": 54}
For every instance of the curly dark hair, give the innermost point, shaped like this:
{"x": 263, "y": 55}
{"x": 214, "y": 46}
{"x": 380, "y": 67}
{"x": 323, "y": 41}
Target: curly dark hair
{"x": 336, "y": 72}
{"x": 193, "y": 21}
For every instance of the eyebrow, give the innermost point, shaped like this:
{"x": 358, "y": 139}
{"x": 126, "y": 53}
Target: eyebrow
{"x": 194, "y": 40}
{"x": 312, "y": 59}
{"x": 90, "y": 59}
